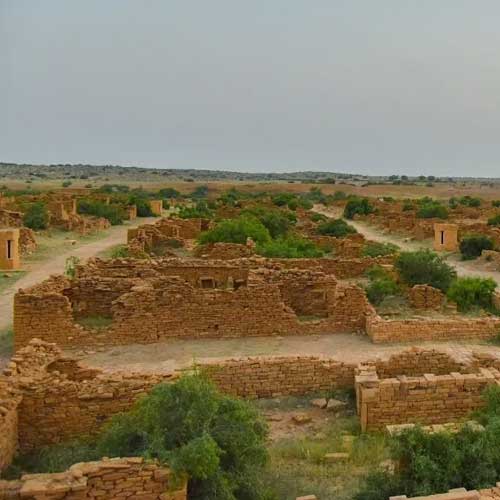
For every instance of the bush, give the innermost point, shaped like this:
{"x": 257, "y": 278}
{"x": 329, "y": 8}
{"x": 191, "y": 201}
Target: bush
{"x": 376, "y": 249}
{"x": 282, "y": 199}
{"x": 199, "y": 192}
{"x": 237, "y": 231}
{"x": 335, "y": 227}
{"x": 432, "y": 210}
{"x": 290, "y": 247}
{"x": 357, "y": 206}
{"x": 381, "y": 288}
{"x": 36, "y": 216}
{"x": 169, "y": 193}
{"x": 113, "y": 213}
{"x": 218, "y": 441}
{"x": 472, "y": 246}
{"x": 495, "y": 203}
{"x": 66, "y": 184}
{"x": 277, "y": 222}
{"x": 316, "y": 217}
{"x": 472, "y": 292}
{"x": 199, "y": 211}
{"x": 143, "y": 206}
{"x": 494, "y": 221}
{"x": 424, "y": 267}
{"x": 469, "y": 201}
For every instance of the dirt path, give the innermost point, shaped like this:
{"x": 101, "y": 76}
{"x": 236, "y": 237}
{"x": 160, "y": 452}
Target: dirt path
{"x": 175, "y": 354}
{"x": 39, "y": 271}
{"x": 463, "y": 268}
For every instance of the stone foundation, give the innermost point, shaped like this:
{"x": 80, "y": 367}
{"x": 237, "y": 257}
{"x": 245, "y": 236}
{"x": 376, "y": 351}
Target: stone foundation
{"x": 108, "y": 479}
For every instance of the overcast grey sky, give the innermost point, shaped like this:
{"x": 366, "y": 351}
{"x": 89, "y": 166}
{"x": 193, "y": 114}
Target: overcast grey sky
{"x": 375, "y": 87}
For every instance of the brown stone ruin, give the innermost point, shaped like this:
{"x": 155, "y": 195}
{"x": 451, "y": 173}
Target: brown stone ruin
{"x": 147, "y": 301}
{"x": 445, "y": 237}
{"x": 9, "y": 249}
{"x": 49, "y": 397}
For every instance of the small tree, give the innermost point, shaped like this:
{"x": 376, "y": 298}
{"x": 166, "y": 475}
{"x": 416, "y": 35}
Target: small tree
{"x": 237, "y": 231}
{"x": 357, "y": 206}
{"x": 335, "y": 227}
{"x": 472, "y": 246}
{"x": 425, "y": 267}
{"x": 217, "y": 441}
{"x": 472, "y": 292}
{"x": 290, "y": 247}
{"x": 37, "y": 216}
{"x": 494, "y": 221}
{"x": 432, "y": 210}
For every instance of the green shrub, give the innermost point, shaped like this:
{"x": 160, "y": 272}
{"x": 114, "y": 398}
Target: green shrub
{"x": 199, "y": 192}
{"x": 36, "y": 216}
{"x": 432, "y": 210}
{"x": 289, "y": 247}
{"x": 472, "y": 246}
{"x": 282, "y": 199}
{"x": 277, "y": 222}
{"x": 357, "y": 206}
{"x": 237, "y": 231}
{"x": 425, "y": 267}
{"x": 407, "y": 205}
{"x": 120, "y": 252}
{"x": 496, "y": 203}
{"x": 169, "y": 193}
{"x": 66, "y": 184}
{"x": 494, "y": 221}
{"x": 377, "y": 249}
{"x": 472, "y": 292}
{"x": 218, "y": 441}
{"x": 113, "y": 213}
{"x": 335, "y": 227}
{"x": 199, "y": 211}
{"x": 469, "y": 201}
{"x": 316, "y": 217}
{"x": 381, "y": 288}
{"x": 70, "y": 266}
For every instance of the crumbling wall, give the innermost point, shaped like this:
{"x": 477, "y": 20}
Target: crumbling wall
{"x": 149, "y": 303}
{"x": 426, "y": 297}
{"x": 107, "y": 479}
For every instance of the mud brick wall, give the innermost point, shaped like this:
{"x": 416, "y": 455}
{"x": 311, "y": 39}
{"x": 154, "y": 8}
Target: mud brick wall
{"x": 279, "y": 376}
{"x": 426, "y": 297}
{"x": 429, "y": 399}
{"x": 462, "y": 328}
{"x": 107, "y": 479}
{"x": 8, "y": 218}
{"x": 9, "y": 402}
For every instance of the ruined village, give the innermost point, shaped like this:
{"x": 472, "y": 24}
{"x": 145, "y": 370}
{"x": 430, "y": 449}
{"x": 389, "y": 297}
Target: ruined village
{"x": 346, "y": 337}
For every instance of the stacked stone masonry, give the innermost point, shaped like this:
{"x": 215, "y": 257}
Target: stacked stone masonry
{"x": 153, "y": 300}
{"x": 426, "y": 297}
{"x": 110, "y": 479}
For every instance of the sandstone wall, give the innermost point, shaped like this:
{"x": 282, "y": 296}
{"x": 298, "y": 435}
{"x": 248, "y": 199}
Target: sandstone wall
{"x": 426, "y": 297}
{"x": 427, "y": 399}
{"x": 459, "y": 494}
{"x": 407, "y": 330}
{"x": 223, "y": 251}
{"x": 108, "y": 479}
{"x": 265, "y": 377}
{"x": 175, "y": 301}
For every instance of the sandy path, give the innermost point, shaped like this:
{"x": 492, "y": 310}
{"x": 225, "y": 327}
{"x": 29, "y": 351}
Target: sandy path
{"x": 40, "y": 271}
{"x": 175, "y": 354}
{"x": 463, "y": 268}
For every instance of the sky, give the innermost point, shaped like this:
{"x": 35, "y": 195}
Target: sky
{"x": 371, "y": 87}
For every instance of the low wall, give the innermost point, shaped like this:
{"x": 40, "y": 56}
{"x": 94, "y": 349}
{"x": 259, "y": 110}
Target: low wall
{"x": 408, "y": 330}
{"x": 458, "y": 494}
{"x": 279, "y": 376}
{"x": 109, "y": 479}
{"x": 428, "y": 399}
